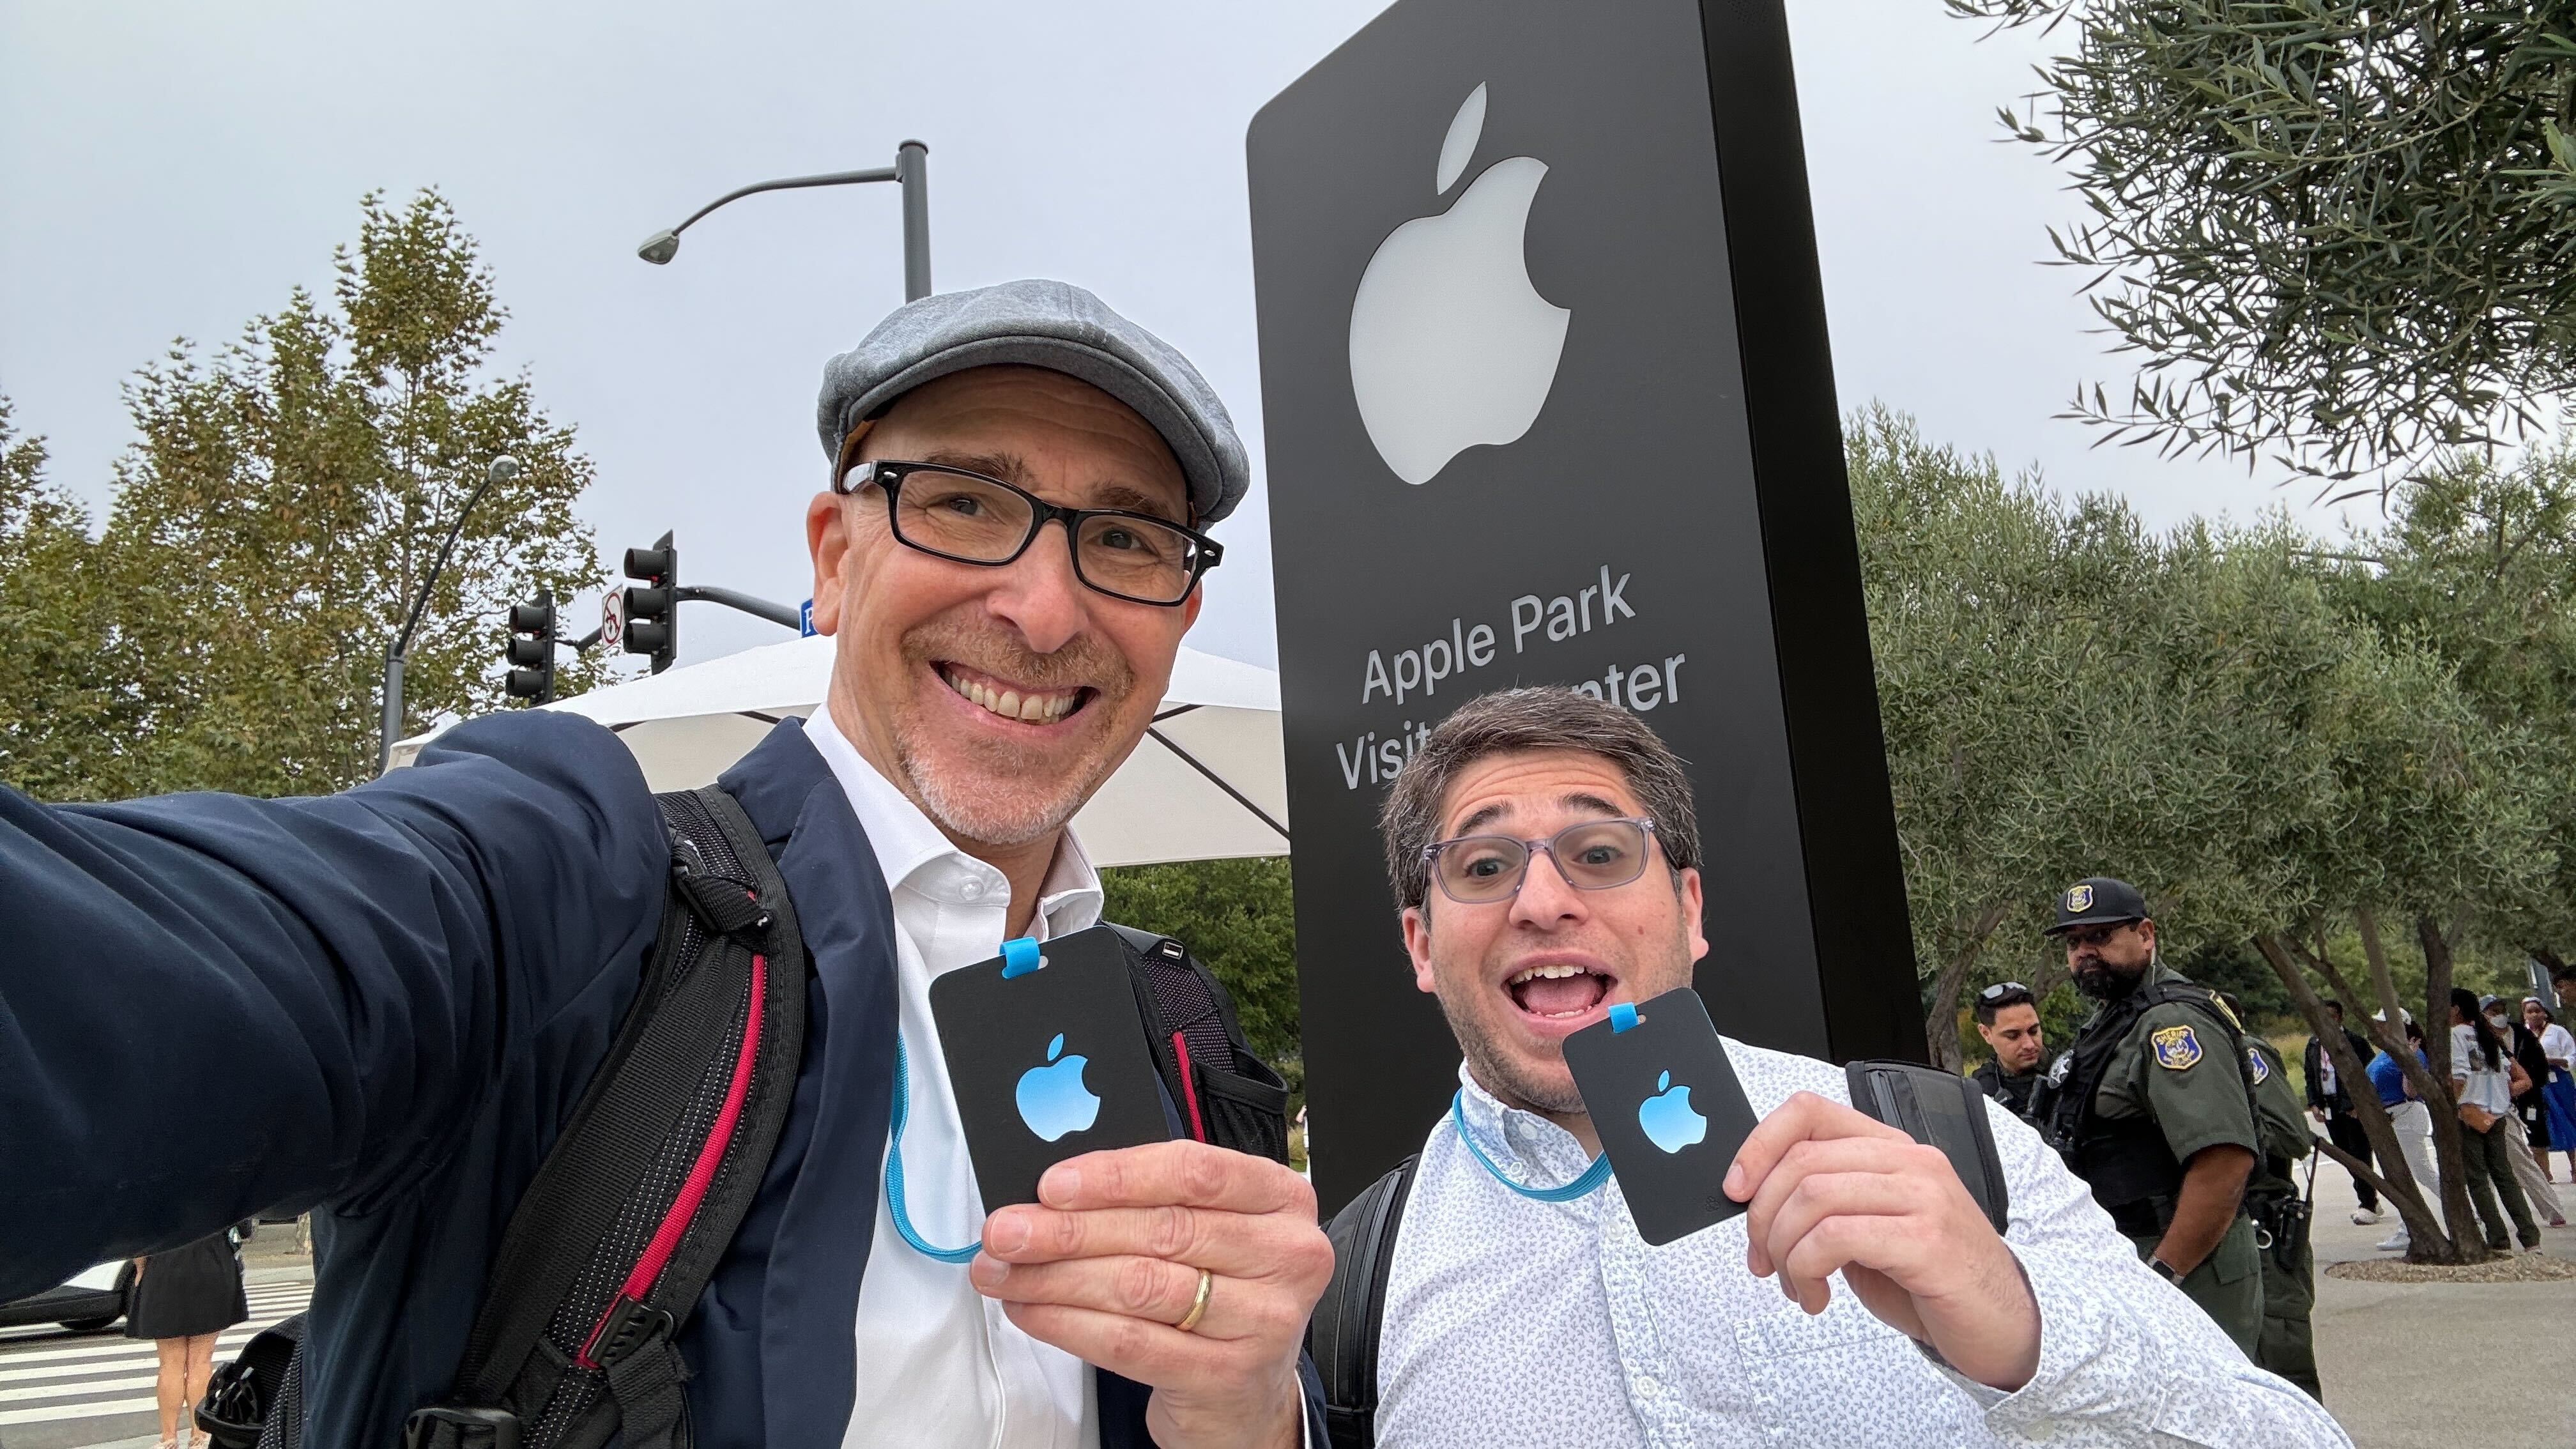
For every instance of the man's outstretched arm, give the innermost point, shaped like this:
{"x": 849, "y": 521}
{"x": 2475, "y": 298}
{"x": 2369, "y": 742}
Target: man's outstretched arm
{"x": 2055, "y": 1328}
{"x": 211, "y": 1005}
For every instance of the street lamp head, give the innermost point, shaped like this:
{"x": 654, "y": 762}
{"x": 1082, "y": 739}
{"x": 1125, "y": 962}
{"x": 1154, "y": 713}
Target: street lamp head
{"x": 660, "y": 247}
{"x": 503, "y": 469}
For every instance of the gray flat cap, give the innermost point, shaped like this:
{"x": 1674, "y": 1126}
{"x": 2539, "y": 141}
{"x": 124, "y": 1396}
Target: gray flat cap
{"x": 1054, "y": 325}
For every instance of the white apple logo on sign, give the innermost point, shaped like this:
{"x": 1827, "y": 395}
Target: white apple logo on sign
{"x": 1450, "y": 344}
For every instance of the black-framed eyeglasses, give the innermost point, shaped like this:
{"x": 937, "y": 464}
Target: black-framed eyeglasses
{"x": 1595, "y": 855}
{"x": 970, "y": 518}
{"x": 2002, "y": 989}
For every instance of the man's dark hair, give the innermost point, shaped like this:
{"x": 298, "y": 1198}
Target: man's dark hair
{"x": 2563, "y": 973}
{"x": 1989, "y": 1006}
{"x": 1513, "y": 720}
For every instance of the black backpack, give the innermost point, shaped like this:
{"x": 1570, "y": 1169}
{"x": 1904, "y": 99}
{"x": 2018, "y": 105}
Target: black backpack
{"x": 609, "y": 1249}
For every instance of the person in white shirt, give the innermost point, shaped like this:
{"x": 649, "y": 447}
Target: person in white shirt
{"x": 2558, "y": 1094}
{"x": 2478, "y": 1061}
{"x": 990, "y": 671}
{"x": 1544, "y": 850}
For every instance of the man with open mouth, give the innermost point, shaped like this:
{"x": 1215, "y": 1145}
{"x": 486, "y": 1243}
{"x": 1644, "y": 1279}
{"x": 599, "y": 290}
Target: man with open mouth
{"x": 405, "y": 987}
{"x": 1544, "y": 849}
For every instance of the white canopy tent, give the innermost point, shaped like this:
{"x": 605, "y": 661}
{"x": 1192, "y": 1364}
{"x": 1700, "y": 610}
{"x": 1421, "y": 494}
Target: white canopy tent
{"x": 1208, "y": 782}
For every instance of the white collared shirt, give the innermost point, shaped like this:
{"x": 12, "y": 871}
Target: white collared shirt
{"x": 2486, "y": 1086}
{"x": 938, "y": 1363}
{"x": 1511, "y": 1322}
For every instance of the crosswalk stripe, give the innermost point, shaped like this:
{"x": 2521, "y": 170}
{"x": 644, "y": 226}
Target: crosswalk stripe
{"x": 231, "y": 1337}
{"x": 104, "y": 1360}
{"x": 68, "y": 1370}
{"x": 67, "y": 1391}
{"x": 99, "y": 1410}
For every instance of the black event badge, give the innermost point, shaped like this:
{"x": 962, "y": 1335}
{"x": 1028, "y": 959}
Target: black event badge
{"x": 1668, "y": 1109}
{"x": 1048, "y": 1059}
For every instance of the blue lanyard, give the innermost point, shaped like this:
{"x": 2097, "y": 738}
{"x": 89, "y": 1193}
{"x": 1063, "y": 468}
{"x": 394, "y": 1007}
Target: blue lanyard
{"x": 1019, "y": 957}
{"x": 1589, "y": 1183}
{"x": 894, "y": 1170}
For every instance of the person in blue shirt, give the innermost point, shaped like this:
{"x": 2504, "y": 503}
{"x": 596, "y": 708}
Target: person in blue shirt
{"x": 2413, "y": 1122}
{"x": 403, "y": 989}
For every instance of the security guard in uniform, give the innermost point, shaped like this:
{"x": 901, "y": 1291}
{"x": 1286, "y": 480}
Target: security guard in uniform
{"x": 2280, "y": 1214}
{"x": 2008, "y": 1018}
{"x": 2152, "y": 1107}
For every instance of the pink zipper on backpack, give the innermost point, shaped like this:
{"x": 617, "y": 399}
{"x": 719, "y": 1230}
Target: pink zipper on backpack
{"x": 1189, "y": 1088}
{"x": 702, "y": 1173}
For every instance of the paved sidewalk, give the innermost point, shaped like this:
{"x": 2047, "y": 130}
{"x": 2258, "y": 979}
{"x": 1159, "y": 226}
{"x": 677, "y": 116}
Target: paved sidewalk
{"x": 2411, "y": 1365}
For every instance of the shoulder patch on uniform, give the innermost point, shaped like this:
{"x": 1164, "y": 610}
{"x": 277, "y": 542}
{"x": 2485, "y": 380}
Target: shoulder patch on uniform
{"x": 2176, "y": 1048}
{"x": 2254, "y": 1059}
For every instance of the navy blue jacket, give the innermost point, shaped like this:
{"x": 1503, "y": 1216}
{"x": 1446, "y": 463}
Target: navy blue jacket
{"x": 382, "y": 1005}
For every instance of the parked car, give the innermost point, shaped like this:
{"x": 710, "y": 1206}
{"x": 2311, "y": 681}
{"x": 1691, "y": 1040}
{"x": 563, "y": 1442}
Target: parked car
{"x": 90, "y": 1301}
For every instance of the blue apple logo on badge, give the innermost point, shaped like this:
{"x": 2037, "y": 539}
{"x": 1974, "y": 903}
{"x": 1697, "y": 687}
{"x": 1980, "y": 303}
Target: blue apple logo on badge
{"x": 1668, "y": 1119}
{"x": 1053, "y": 1100}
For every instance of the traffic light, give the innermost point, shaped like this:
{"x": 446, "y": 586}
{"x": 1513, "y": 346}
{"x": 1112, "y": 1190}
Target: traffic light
{"x": 532, "y": 650}
{"x": 653, "y": 611}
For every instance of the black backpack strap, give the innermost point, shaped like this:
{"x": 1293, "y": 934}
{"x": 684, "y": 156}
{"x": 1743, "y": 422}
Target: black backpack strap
{"x": 608, "y": 1250}
{"x": 1342, "y": 1337}
{"x": 1226, "y": 1093}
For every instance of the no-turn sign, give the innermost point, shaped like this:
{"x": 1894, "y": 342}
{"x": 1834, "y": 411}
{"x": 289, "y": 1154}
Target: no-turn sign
{"x": 612, "y": 618}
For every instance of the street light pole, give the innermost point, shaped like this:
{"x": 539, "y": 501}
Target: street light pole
{"x": 502, "y": 470}
{"x": 911, "y": 169}
{"x": 912, "y": 165}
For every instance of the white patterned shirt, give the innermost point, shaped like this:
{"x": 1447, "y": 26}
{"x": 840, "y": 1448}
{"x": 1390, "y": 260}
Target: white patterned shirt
{"x": 1511, "y": 1322}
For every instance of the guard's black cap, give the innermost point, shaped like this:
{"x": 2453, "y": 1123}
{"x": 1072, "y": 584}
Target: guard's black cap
{"x": 2097, "y": 900}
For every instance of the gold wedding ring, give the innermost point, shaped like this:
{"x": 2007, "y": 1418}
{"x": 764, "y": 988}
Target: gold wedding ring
{"x": 1198, "y": 1306}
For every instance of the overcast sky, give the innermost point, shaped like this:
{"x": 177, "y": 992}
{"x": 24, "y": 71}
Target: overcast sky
{"x": 173, "y": 170}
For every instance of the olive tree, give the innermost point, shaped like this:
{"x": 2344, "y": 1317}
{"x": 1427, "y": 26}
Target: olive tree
{"x": 2336, "y": 232}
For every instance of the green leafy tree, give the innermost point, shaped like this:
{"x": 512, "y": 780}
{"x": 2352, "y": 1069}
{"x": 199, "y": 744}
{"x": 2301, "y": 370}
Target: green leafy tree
{"x": 2336, "y": 231}
{"x": 2281, "y": 743}
{"x": 284, "y": 502}
{"x": 2479, "y": 567}
{"x": 2428, "y": 820}
{"x": 67, "y": 705}
{"x": 1969, "y": 628}
{"x": 2064, "y": 694}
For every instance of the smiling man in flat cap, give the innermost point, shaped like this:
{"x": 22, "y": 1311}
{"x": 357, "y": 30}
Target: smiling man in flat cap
{"x": 404, "y": 988}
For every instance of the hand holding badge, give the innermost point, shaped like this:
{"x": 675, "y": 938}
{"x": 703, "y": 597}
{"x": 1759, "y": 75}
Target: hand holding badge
{"x": 1182, "y": 1266}
{"x": 1668, "y": 1109}
{"x": 1824, "y": 1188}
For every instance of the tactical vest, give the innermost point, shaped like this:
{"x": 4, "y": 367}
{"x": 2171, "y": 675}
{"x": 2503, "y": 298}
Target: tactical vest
{"x": 2125, "y": 1160}
{"x": 2013, "y": 1092}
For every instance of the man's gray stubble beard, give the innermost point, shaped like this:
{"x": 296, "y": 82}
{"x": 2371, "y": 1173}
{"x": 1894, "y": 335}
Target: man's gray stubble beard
{"x": 980, "y": 821}
{"x": 1087, "y": 663}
